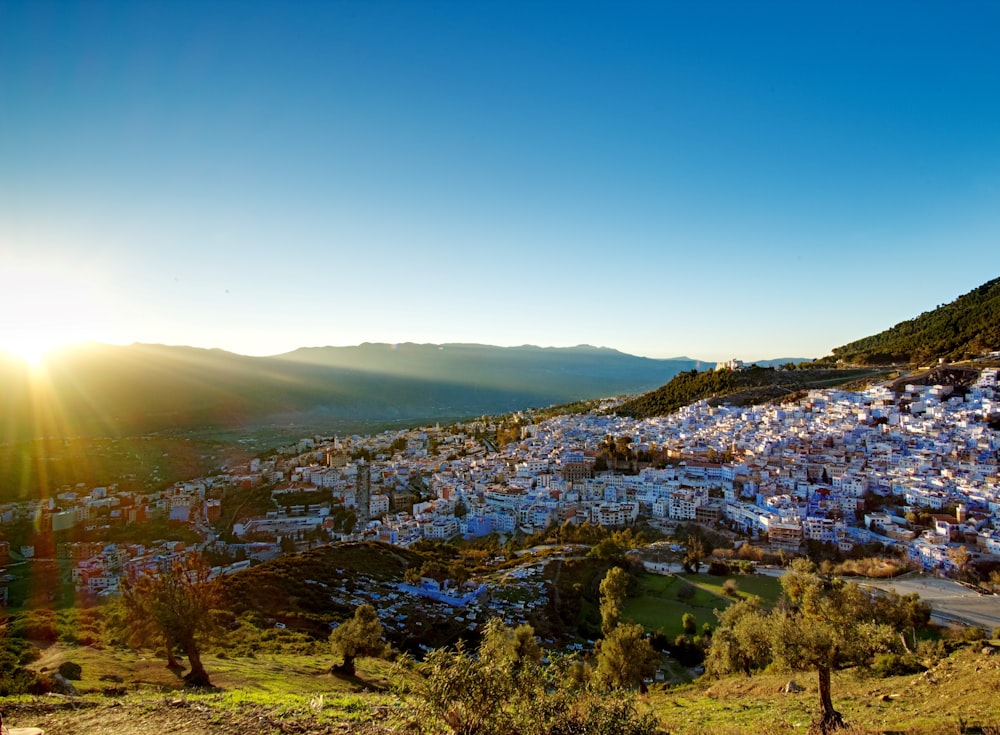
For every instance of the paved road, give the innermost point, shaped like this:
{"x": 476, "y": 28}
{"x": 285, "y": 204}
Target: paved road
{"x": 949, "y": 600}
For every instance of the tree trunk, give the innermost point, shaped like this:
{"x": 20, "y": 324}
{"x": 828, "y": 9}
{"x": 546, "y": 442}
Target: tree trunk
{"x": 172, "y": 663}
{"x": 345, "y": 668}
{"x": 197, "y": 676}
{"x": 830, "y": 718}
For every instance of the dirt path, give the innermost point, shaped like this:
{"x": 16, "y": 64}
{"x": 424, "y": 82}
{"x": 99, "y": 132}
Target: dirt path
{"x": 166, "y": 717}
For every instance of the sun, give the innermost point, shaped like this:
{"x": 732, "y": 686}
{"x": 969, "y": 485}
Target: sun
{"x": 42, "y": 309}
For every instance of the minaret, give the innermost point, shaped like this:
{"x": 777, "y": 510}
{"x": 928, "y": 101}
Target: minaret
{"x": 364, "y": 491}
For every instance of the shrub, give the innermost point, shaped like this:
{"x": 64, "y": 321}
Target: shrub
{"x": 894, "y": 664}
{"x": 718, "y": 568}
{"x": 21, "y": 681}
{"x": 70, "y": 670}
{"x": 934, "y": 650}
{"x": 973, "y": 633}
{"x": 729, "y": 588}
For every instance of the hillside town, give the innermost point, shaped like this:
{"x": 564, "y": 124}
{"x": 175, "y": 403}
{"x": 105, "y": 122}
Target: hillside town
{"x": 911, "y": 467}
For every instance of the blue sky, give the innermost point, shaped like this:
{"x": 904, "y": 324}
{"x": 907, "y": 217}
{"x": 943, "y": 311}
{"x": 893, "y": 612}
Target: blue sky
{"x": 713, "y": 179}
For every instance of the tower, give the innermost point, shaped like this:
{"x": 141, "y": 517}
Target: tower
{"x": 364, "y": 491}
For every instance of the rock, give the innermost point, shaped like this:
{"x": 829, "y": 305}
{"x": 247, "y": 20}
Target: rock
{"x": 791, "y": 688}
{"x": 63, "y": 685}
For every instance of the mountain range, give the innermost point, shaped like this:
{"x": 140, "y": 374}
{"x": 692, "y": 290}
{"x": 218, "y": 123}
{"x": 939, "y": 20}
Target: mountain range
{"x": 102, "y": 390}
{"x": 110, "y": 390}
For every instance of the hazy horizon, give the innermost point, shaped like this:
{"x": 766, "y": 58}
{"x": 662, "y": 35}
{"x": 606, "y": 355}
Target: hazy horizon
{"x": 69, "y": 347}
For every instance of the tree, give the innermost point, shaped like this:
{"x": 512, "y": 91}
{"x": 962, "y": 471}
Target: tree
{"x": 820, "y": 624}
{"x": 741, "y": 641}
{"x": 614, "y": 588}
{"x": 173, "y": 606}
{"x": 607, "y": 549}
{"x": 359, "y": 636}
{"x": 689, "y": 623}
{"x": 903, "y": 612}
{"x": 825, "y": 625}
{"x": 624, "y": 658}
{"x": 960, "y": 557}
{"x": 693, "y": 555}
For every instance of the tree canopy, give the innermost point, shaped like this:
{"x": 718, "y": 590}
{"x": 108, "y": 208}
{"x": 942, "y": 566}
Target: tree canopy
{"x": 613, "y": 589}
{"x": 173, "y": 606}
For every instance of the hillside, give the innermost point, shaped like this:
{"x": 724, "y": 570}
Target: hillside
{"x": 967, "y": 327}
{"x": 131, "y": 695}
{"x": 751, "y": 385}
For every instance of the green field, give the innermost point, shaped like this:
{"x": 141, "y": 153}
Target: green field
{"x": 657, "y": 605}
{"x": 768, "y": 589}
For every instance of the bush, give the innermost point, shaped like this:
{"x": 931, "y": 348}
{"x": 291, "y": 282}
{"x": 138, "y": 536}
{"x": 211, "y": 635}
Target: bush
{"x": 934, "y": 650}
{"x": 973, "y": 633}
{"x": 38, "y": 625}
{"x": 965, "y": 633}
{"x": 729, "y": 588}
{"x": 718, "y": 568}
{"x": 70, "y": 670}
{"x": 894, "y": 664}
{"x": 21, "y": 681}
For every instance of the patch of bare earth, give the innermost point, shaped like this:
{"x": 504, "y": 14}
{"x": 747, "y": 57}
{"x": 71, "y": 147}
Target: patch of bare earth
{"x": 167, "y": 717}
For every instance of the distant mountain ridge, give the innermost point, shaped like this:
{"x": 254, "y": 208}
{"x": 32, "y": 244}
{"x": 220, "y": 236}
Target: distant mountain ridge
{"x": 967, "y": 327}
{"x": 109, "y": 390}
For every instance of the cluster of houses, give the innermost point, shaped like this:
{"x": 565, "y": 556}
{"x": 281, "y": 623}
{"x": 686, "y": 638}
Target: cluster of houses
{"x": 793, "y": 473}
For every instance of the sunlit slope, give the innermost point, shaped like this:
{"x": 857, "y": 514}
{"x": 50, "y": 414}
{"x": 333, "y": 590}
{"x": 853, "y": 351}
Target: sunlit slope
{"x": 967, "y": 327}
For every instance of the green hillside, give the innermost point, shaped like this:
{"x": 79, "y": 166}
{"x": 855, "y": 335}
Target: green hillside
{"x": 132, "y": 693}
{"x": 751, "y": 385}
{"x": 967, "y": 327}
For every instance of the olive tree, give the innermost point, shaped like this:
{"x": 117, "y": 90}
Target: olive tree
{"x": 822, "y": 624}
{"x": 173, "y": 605}
{"x": 359, "y": 636}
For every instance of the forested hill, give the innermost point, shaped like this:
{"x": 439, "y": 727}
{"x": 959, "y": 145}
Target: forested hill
{"x": 750, "y": 385}
{"x": 967, "y": 327}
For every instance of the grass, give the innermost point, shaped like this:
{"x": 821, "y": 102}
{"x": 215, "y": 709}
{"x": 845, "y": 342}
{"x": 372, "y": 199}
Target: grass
{"x": 296, "y": 693}
{"x": 280, "y": 676}
{"x": 768, "y": 589}
{"x": 658, "y": 607}
{"x": 958, "y": 689}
